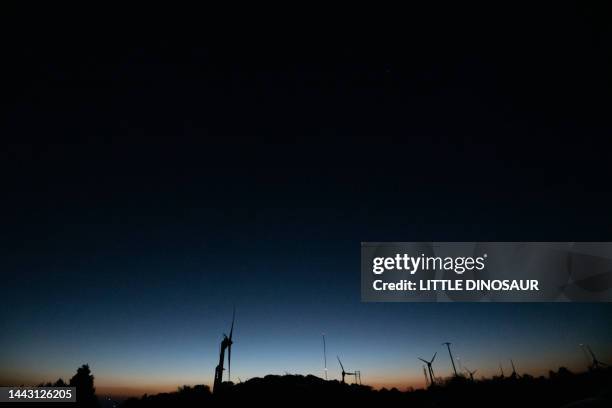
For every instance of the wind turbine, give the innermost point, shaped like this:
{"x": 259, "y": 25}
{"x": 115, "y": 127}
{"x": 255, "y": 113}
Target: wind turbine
{"x": 226, "y": 343}
{"x": 586, "y": 355}
{"x": 501, "y": 369}
{"x": 429, "y": 363}
{"x": 451, "y": 357}
{"x": 514, "y": 374}
{"x": 471, "y": 373}
{"x": 344, "y": 373}
{"x": 596, "y": 363}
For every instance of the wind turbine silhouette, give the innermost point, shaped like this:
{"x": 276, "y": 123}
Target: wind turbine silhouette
{"x": 226, "y": 343}
{"x": 596, "y": 363}
{"x": 429, "y": 363}
{"x": 514, "y": 373}
{"x": 471, "y": 373}
{"x": 344, "y": 373}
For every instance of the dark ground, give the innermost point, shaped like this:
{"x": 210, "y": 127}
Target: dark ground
{"x": 557, "y": 390}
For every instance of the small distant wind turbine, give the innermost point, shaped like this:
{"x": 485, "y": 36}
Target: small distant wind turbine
{"x": 514, "y": 373}
{"x": 501, "y": 369}
{"x": 342, "y": 367}
{"x": 596, "y": 364}
{"x": 451, "y": 357}
{"x": 429, "y": 363}
{"x": 471, "y": 373}
{"x": 586, "y": 355}
{"x": 344, "y": 373}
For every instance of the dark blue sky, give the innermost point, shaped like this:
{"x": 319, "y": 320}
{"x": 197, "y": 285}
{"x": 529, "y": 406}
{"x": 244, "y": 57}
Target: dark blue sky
{"x": 149, "y": 317}
{"x": 150, "y": 184}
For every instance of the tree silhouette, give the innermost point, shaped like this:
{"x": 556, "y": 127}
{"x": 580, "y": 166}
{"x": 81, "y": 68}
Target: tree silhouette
{"x": 60, "y": 383}
{"x": 85, "y": 391}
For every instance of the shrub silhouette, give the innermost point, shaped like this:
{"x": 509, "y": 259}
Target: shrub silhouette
{"x": 186, "y": 396}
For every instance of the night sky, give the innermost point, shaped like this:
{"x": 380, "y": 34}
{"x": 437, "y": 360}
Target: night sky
{"x": 152, "y": 181}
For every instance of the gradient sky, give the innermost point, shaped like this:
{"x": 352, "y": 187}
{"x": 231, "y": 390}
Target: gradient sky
{"x": 149, "y": 185}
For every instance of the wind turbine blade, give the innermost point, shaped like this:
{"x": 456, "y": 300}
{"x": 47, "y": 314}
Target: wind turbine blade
{"x": 425, "y": 361}
{"x": 586, "y": 355}
{"x": 233, "y": 318}
{"x": 434, "y": 357}
{"x": 591, "y": 351}
{"x": 229, "y": 362}
{"x": 341, "y": 366}
{"x": 324, "y": 352}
